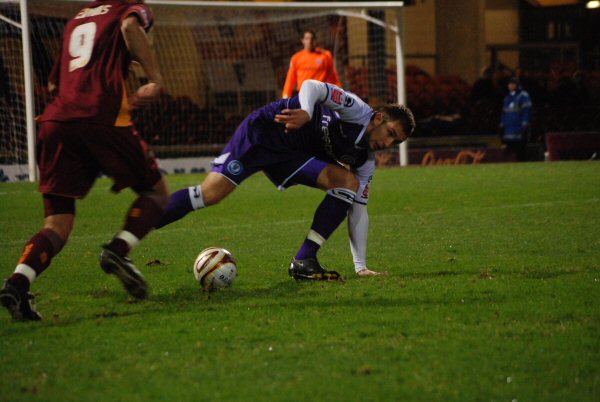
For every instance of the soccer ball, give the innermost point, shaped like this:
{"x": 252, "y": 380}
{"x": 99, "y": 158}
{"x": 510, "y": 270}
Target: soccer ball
{"x": 215, "y": 268}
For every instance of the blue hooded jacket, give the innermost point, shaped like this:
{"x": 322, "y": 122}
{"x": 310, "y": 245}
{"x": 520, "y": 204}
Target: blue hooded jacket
{"x": 516, "y": 114}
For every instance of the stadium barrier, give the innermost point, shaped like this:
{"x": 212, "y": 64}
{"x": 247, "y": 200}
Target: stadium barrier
{"x": 450, "y": 150}
{"x": 458, "y": 150}
{"x": 573, "y": 145}
{"x": 169, "y": 166}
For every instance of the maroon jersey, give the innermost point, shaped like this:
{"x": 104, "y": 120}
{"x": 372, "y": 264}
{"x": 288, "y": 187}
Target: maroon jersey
{"x": 93, "y": 65}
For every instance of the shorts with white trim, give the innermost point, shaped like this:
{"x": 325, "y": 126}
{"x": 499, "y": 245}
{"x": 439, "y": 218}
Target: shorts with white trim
{"x": 244, "y": 155}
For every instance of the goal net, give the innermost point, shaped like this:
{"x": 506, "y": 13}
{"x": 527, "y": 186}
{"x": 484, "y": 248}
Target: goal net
{"x": 218, "y": 61}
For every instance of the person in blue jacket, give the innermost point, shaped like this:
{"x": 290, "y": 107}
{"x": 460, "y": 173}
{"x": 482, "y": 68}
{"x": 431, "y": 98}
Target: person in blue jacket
{"x": 515, "y": 120}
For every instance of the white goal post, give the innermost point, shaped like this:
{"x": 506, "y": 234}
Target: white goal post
{"x": 219, "y": 59}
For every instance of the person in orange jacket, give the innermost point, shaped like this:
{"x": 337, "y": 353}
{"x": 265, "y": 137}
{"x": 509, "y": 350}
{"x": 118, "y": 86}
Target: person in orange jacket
{"x": 312, "y": 62}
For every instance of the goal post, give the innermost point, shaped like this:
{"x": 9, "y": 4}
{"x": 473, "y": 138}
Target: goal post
{"x": 219, "y": 60}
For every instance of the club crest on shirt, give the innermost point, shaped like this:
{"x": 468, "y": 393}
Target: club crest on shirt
{"x": 235, "y": 167}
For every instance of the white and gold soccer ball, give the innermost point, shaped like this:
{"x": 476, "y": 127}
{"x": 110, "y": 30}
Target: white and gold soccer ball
{"x": 215, "y": 268}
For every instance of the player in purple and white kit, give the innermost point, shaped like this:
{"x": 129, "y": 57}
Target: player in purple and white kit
{"x": 323, "y": 138}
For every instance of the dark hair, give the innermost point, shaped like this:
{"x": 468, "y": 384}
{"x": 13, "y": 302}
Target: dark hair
{"x": 314, "y": 35}
{"x": 513, "y": 80}
{"x": 394, "y": 111}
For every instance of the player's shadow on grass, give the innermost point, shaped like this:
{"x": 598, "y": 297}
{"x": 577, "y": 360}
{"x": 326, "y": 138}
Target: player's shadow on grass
{"x": 113, "y": 302}
{"x": 278, "y": 291}
{"x": 302, "y": 295}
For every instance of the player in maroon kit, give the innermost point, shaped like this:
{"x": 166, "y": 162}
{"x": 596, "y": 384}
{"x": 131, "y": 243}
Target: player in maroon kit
{"x": 87, "y": 130}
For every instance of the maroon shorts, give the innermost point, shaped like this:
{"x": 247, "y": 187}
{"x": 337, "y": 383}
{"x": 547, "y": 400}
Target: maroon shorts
{"x": 71, "y": 156}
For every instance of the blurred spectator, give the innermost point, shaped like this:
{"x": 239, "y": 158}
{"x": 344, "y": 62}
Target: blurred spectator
{"x": 531, "y": 85}
{"x": 568, "y": 89}
{"x": 484, "y": 87}
{"x": 515, "y": 120}
{"x": 312, "y": 62}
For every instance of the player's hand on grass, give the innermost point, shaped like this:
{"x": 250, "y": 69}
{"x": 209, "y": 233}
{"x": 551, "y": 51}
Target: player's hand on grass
{"x": 368, "y": 272}
{"x": 293, "y": 119}
{"x": 145, "y": 95}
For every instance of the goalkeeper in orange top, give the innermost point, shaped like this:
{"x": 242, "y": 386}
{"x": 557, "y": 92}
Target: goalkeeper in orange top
{"x": 311, "y": 63}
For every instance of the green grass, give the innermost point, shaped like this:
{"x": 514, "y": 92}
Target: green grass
{"x": 493, "y": 295}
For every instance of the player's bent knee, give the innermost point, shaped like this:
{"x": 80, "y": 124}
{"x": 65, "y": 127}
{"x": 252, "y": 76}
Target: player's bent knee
{"x": 338, "y": 177}
{"x": 58, "y": 205}
{"x": 213, "y": 196}
{"x": 342, "y": 194}
{"x": 160, "y": 199}
{"x": 353, "y": 182}
{"x": 159, "y": 194}
{"x": 215, "y": 188}
{"x": 346, "y": 179}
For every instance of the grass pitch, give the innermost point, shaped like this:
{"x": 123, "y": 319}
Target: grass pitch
{"x": 493, "y": 294}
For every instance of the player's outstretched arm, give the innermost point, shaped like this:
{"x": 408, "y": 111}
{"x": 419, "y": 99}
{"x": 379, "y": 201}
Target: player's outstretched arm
{"x": 290, "y": 80}
{"x": 350, "y": 107}
{"x": 358, "y": 220}
{"x": 139, "y": 47}
{"x": 53, "y": 78}
{"x": 358, "y": 226}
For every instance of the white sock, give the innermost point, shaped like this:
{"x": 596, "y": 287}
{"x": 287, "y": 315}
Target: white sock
{"x": 26, "y": 271}
{"x": 128, "y": 238}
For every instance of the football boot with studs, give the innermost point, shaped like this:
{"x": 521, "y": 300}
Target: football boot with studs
{"x": 128, "y": 274}
{"x": 20, "y": 305}
{"x": 310, "y": 269}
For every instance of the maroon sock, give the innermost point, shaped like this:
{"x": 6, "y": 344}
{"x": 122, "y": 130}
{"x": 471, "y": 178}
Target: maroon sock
{"x": 119, "y": 247}
{"x": 37, "y": 254}
{"x": 142, "y": 217}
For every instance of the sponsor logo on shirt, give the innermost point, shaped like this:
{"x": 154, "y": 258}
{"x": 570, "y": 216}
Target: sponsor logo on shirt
{"x": 337, "y": 96}
{"x": 325, "y": 120}
{"x": 92, "y": 12}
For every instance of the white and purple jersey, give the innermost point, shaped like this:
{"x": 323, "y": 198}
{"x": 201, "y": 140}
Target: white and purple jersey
{"x": 326, "y": 136}
{"x": 335, "y": 134}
